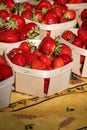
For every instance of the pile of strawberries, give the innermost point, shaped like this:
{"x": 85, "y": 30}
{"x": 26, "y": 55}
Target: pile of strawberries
{"x": 79, "y": 40}
{"x": 13, "y": 27}
{"x": 5, "y": 69}
{"x": 46, "y": 13}
{"x": 69, "y": 1}
{"x": 50, "y": 54}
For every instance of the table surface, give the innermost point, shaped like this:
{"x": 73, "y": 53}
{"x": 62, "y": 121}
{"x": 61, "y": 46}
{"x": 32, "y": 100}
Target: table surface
{"x": 65, "y": 110}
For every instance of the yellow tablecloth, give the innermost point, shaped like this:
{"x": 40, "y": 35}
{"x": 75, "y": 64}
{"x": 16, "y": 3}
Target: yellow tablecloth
{"x": 66, "y": 110}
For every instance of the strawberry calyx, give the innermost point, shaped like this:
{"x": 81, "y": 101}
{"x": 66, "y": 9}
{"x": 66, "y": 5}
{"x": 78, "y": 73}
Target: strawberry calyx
{"x": 11, "y": 24}
{"x": 21, "y": 8}
{"x": 58, "y": 46}
{"x": 3, "y": 7}
{"x": 34, "y": 32}
{"x": 1, "y": 22}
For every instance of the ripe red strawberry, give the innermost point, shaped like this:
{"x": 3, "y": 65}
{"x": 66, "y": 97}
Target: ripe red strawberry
{"x": 65, "y": 50}
{"x": 75, "y": 1}
{"x": 82, "y": 57}
{"x": 44, "y": 5}
{"x": 25, "y": 6}
{"x": 82, "y": 34}
{"x": 29, "y": 31}
{"x": 46, "y": 84}
{"x": 37, "y": 52}
{"x": 58, "y": 11}
{"x": 38, "y": 16}
{"x": 69, "y": 14}
{"x": 66, "y": 58}
{"x": 68, "y": 35}
{"x": 37, "y": 64}
{"x": 77, "y": 42}
{"x": 47, "y": 45}
{"x": 84, "y": 14}
{"x": 64, "y": 8}
{"x": 50, "y": 17}
{"x": 30, "y": 57}
{"x": 5, "y": 72}
{"x": 28, "y": 14}
{"x": 84, "y": 25}
{"x": 12, "y": 53}
{"x": 2, "y": 60}
{"x": 58, "y": 63}
{"x": 60, "y": 2}
{"x": 4, "y": 14}
{"x": 15, "y": 22}
{"x": 10, "y": 4}
{"x": 19, "y": 59}
{"x": 25, "y": 46}
{"x": 8, "y": 36}
{"x": 45, "y": 59}
{"x": 63, "y": 20}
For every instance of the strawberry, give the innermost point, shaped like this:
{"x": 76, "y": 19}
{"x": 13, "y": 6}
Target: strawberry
{"x": 30, "y": 57}
{"x": 77, "y": 42}
{"x": 69, "y": 14}
{"x": 64, "y": 8}
{"x": 58, "y": 11}
{"x": 12, "y": 53}
{"x": 44, "y": 5}
{"x": 28, "y": 14}
{"x": 82, "y": 34}
{"x": 47, "y": 45}
{"x": 16, "y": 22}
{"x": 84, "y": 25}
{"x": 25, "y": 6}
{"x": 8, "y": 36}
{"x": 4, "y": 14}
{"x": 2, "y": 1}
{"x": 63, "y": 20}
{"x": 84, "y": 14}
{"x": 37, "y": 64}
{"x": 75, "y": 1}
{"x": 46, "y": 84}
{"x": 5, "y": 72}
{"x": 68, "y": 35}
{"x": 65, "y": 50}
{"x": 38, "y": 52}
{"x": 19, "y": 59}
{"x": 10, "y": 4}
{"x": 24, "y": 46}
{"x": 58, "y": 63}
{"x": 82, "y": 57}
{"x": 66, "y": 58}
{"x": 50, "y": 17}
{"x": 38, "y": 16}
{"x": 29, "y": 31}
{"x": 2, "y": 60}
{"x": 45, "y": 59}
{"x": 60, "y": 2}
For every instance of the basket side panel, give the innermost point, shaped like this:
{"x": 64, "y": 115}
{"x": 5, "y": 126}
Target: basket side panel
{"x": 29, "y": 85}
{"x": 59, "y": 82}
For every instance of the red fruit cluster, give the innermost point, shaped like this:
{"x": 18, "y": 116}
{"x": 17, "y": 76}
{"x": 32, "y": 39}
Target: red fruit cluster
{"x": 62, "y": 2}
{"x": 46, "y": 12}
{"x": 47, "y": 56}
{"x": 5, "y": 69}
{"x": 83, "y": 16}
{"x": 78, "y": 40}
{"x": 13, "y": 27}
